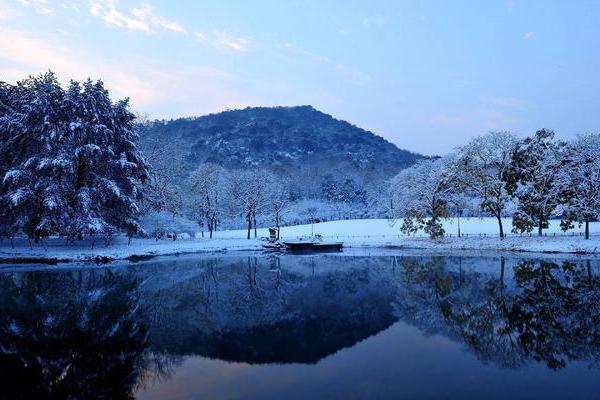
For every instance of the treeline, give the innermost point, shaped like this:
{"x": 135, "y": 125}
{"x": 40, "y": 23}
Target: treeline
{"x": 533, "y": 180}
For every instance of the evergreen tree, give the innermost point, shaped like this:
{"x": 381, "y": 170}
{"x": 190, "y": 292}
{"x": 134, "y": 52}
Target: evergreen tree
{"x": 69, "y": 163}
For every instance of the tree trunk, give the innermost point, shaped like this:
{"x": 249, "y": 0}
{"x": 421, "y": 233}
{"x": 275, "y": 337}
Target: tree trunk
{"x": 541, "y": 223}
{"x": 254, "y": 223}
{"x": 249, "y": 218}
{"x": 500, "y": 227}
{"x": 587, "y": 228}
{"x": 277, "y": 222}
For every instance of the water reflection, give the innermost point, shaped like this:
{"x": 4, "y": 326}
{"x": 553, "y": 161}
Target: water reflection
{"x": 108, "y": 332}
{"x": 549, "y": 312}
{"x": 79, "y": 333}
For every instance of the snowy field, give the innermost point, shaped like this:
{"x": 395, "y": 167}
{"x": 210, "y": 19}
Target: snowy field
{"x": 479, "y": 234}
{"x": 369, "y": 228}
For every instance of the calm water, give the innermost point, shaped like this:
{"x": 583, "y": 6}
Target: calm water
{"x": 299, "y": 327}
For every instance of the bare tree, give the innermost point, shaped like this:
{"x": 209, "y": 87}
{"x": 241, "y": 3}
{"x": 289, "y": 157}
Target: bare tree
{"x": 167, "y": 169}
{"x": 280, "y": 198}
{"x": 207, "y": 186}
{"x": 248, "y": 193}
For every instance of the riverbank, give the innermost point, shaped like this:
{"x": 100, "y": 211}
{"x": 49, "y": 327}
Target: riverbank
{"x": 376, "y": 233}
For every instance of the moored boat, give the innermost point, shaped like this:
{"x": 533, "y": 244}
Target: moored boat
{"x": 313, "y": 246}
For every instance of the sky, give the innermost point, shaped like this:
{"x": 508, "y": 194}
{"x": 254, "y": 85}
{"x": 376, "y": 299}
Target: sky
{"x": 426, "y": 75}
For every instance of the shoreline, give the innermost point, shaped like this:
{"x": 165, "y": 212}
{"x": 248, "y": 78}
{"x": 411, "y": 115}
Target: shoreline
{"x": 54, "y": 253}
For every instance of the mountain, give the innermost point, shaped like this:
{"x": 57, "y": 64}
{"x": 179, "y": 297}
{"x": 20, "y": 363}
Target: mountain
{"x": 296, "y": 141}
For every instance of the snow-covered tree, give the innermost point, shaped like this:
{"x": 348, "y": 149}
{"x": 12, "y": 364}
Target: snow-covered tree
{"x": 582, "y": 181}
{"x": 248, "y": 193}
{"x": 168, "y": 169}
{"x": 535, "y": 179}
{"x": 280, "y": 199}
{"x": 70, "y": 166}
{"x": 207, "y": 187}
{"x": 481, "y": 167}
{"x": 420, "y": 196}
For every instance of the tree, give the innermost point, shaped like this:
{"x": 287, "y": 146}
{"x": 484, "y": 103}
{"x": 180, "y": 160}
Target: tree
{"x": 280, "y": 199}
{"x": 69, "y": 160}
{"x": 420, "y": 196}
{"x": 248, "y": 194}
{"x": 482, "y": 166}
{"x": 168, "y": 168}
{"x": 582, "y": 180}
{"x": 207, "y": 186}
{"x": 534, "y": 178}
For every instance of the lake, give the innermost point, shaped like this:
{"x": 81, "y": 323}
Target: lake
{"x": 355, "y": 325}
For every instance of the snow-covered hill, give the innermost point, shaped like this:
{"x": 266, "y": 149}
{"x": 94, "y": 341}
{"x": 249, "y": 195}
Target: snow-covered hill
{"x": 297, "y": 141}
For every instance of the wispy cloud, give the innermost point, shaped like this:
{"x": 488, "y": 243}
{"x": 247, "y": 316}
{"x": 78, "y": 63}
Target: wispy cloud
{"x": 168, "y": 25}
{"x": 528, "y": 35}
{"x": 187, "y": 88}
{"x": 137, "y": 19}
{"x": 39, "y": 6}
{"x": 233, "y": 42}
{"x": 226, "y": 41}
{"x": 201, "y": 36}
{"x": 107, "y": 11}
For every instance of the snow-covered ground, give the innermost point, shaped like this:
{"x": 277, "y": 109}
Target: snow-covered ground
{"x": 368, "y": 228}
{"x": 479, "y": 234}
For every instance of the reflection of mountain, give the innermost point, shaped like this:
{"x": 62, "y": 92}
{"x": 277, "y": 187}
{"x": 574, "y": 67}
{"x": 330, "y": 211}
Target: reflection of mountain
{"x": 255, "y": 314}
{"x": 294, "y": 341}
{"x": 98, "y": 333}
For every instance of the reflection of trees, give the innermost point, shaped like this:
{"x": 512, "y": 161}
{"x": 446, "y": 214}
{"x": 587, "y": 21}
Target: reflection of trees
{"x": 86, "y": 333}
{"x": 556, "y": 312}
{"x": 550, "y": 314}
{"x": 70, "y": 335}
{"x": 255, "y": 310}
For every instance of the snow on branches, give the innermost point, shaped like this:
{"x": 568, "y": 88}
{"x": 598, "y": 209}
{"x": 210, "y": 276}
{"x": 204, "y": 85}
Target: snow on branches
{"x": 68, "y": 162}
{"x": 419, "y": 196}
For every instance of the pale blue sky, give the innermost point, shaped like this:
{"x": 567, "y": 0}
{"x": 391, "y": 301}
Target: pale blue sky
{"x": 426, "y": 75}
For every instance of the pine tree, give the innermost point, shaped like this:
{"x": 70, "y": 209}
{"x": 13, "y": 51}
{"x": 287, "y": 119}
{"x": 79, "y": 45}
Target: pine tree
{"x": 69, "y": 163}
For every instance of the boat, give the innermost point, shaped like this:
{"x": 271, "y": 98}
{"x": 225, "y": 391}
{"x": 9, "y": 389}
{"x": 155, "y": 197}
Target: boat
{"x": 313, "y": 245}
